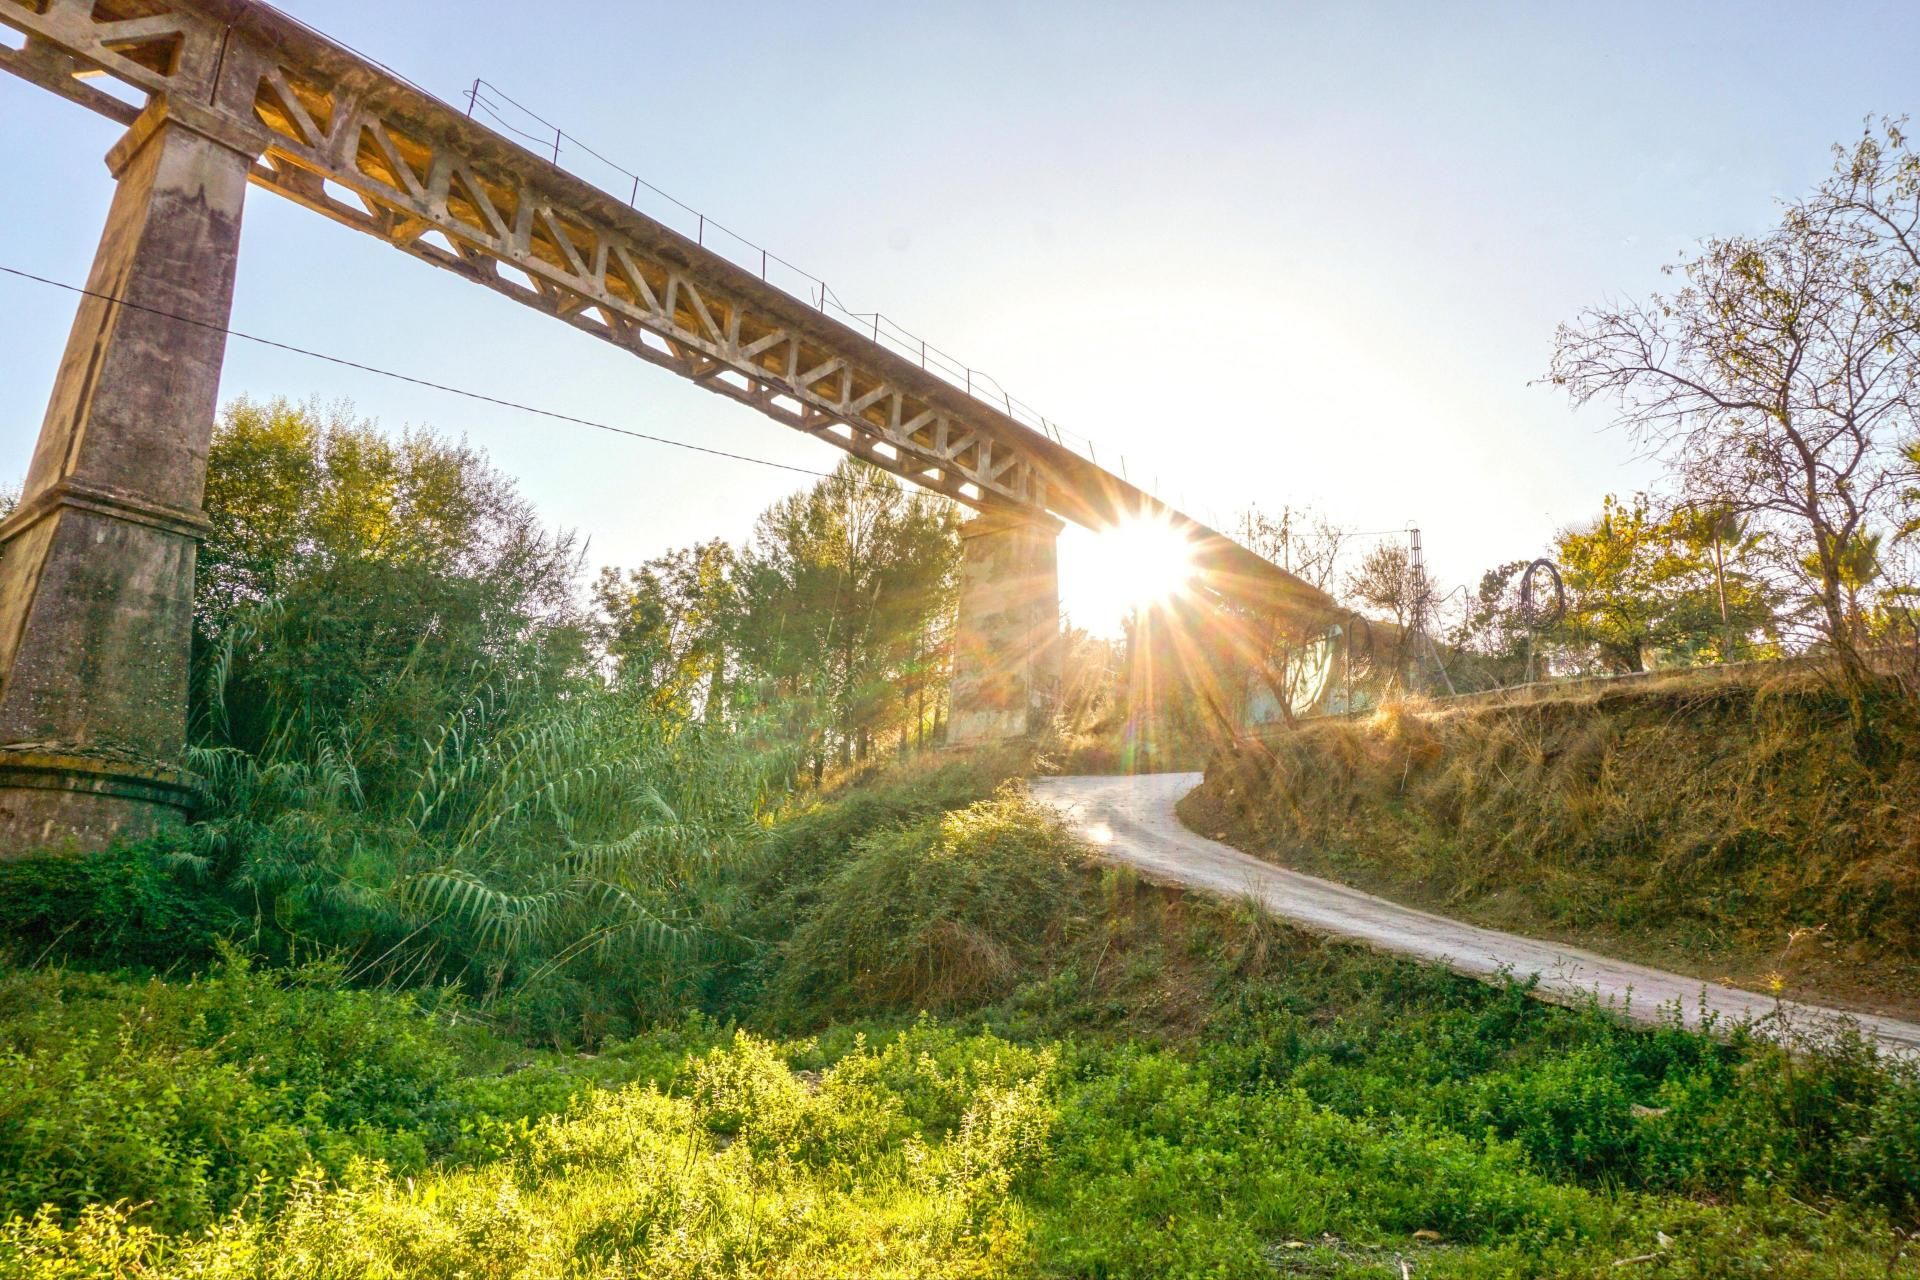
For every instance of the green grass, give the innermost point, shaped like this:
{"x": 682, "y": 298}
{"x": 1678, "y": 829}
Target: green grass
{"x": 1120, "y": 1081}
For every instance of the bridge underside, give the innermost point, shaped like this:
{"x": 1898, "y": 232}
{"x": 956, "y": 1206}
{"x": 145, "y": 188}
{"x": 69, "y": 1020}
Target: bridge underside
{"x": 96, "y": 577}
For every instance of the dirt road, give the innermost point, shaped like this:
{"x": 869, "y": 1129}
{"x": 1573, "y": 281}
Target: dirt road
{"x": 1131, "y": 820}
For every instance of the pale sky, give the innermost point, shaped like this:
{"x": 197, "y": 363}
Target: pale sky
{"x": 1306, "y": 254}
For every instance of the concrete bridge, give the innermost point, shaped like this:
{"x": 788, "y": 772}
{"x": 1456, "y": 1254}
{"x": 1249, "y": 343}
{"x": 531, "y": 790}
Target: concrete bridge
{"x": 96, "y": 578}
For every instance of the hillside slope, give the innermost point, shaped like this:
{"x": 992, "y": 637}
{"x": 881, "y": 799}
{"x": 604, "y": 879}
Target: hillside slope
{"x": 1731, "y": 830}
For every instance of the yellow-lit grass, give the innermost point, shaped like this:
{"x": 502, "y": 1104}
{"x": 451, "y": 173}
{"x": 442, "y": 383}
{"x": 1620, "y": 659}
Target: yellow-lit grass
{"x": 1726, "y": 811}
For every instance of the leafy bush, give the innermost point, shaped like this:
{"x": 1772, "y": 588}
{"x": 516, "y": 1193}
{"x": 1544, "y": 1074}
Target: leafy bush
{"x": 183, "y": 1095}
{"x": 945, "y": 911}
{"x": 634, "y": 1181}
{"x": 805, "y": 847}
{"x": 141, "y": 903}
{"x": 571, "y": 864}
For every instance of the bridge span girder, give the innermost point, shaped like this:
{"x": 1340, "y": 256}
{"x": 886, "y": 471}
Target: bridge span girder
{"x": 351, "y": 140}
{"x": 358, "y": 145}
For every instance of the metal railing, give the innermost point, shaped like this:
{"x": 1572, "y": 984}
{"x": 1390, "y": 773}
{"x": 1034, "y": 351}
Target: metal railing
{"x": 540, "y": 134}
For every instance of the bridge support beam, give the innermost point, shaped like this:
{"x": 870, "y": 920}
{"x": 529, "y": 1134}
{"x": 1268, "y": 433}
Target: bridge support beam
{"x": 1007, "y": 651}
{"x": 96, "y": 564}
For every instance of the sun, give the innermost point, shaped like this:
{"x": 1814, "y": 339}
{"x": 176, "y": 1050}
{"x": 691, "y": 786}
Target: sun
{"x": 1108, "y": 575}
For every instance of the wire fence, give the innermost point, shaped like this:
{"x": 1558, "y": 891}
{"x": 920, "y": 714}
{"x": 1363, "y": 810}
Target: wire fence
{"x": 486, "y": 101}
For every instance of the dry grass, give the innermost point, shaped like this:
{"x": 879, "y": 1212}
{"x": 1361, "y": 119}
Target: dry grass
{"x": 1730, "y": 824}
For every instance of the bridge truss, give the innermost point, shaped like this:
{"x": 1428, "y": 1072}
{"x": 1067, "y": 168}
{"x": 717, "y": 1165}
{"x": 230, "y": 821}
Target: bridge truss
{"x": 358, "y": 144}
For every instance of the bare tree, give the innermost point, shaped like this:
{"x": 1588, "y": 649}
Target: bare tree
{"x": 1870, "y": 205}
{"x": 1771, "y": 383}
{"x": 1273, "y": 643}
{"x": 1298, "y": 539}
{"x": 1387, "y": 581}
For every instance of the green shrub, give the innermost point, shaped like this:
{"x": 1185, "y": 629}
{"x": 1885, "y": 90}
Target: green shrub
{"x": 182, "y": 1096}
{"x": 143, "y": 903}
{"x": 944, "y": 912}
{"x": 805, "y": 848}
{"x": 634, "y": 1181}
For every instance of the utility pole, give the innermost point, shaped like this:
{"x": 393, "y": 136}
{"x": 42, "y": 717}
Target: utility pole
{"x": 1417, "y": 605}
{"x": 1417, "y": 574}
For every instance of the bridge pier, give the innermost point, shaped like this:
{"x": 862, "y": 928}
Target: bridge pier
{"x": 1007, "y": 651}
{"x": 96, "y": 563}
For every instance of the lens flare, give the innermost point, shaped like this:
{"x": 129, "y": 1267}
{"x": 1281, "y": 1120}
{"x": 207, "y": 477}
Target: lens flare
{"x": 1132, "y": 566}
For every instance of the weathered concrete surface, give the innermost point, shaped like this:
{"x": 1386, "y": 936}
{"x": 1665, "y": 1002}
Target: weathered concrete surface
{"x": 1006, "y": 665}
{"x": 96, "y": 565}
{"x": 1131, "y": 820}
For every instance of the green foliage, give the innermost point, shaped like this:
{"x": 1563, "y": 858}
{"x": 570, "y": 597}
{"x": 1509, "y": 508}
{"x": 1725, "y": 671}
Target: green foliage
{"x": 1295, "y": 1141}
{"x": 844, "y": 595}
{"x": 1637, "y": 583}
{"x": 757, "y": 1171}
{"x": 828, "y": 628}
{"x": 571, "y": 862}
{"x": 1585, "y": 1098}
{"x": 350, "y": 577}
{"x": 667, "y": 624}
{"x": 1231, "y": 1098}
{"x": 185, "y": 1095}
{"x": 409, "y": 758}
{"x": 948, "y": 910}
{"x": 815, "y": 839}
{"x": 143, "y": 903}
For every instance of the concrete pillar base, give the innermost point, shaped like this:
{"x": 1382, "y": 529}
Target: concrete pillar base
{"x": 1006, "y": 666}
{"x": 56, "y": 798}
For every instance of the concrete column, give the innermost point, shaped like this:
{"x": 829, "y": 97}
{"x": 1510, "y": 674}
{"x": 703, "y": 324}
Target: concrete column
{"x": 1007, "y": 651}
{"x": 96, "y": 564}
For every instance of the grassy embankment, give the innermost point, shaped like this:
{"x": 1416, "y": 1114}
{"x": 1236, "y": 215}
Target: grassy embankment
{"x": 957, "y": 1049}
{"x": 1730, "y": 829}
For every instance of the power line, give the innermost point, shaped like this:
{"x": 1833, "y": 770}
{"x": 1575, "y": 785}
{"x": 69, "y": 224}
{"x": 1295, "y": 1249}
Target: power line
{"x": 445, "y": 388}
{"x": 419, "y": 382}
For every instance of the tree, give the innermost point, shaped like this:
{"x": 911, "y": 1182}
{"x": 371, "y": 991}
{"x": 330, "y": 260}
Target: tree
{"x": 668, "y": 625}
{"x": 1775, "y": 383}
{"x": 1869, "y": 206}
{"x": 1387, "y": 582}
{"x": 843, "y": 600}
{"x": 1300, "y": 540}
{"x": 1270, "y": 644}
{"x": 349, "y": 575}
{"x": 1493, "y": 636}
{"x": 1637, "y": 583}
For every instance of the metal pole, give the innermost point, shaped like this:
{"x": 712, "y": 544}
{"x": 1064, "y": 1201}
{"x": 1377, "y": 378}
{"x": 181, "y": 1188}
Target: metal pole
{"x": 1416, "y": 576}
{"x": 473, "y": 97}
{"x": 634, "y": 199}
{"x": 763, "y": 266}
{"x": 700, "y": 236}
{"x": 556, "y": 146}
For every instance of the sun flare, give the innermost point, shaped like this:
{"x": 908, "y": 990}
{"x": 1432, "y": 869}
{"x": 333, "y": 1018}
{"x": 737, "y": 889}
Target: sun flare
{"x": 1131, "y": 566}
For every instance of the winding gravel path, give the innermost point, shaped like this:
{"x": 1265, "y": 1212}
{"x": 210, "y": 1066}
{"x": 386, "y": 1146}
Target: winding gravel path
{"x": 1131, "y": 820}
